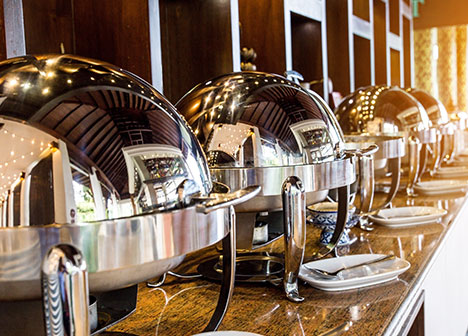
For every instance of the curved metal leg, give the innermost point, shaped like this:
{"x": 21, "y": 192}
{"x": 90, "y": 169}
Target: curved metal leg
{"x": 294, "y": 221}
{"x": 342, "y": 219}
{"x": 394, "y": 167}
{"x": 366, "y": 189}
{"x": 229, "y": 274}
{"x": 436, "y": 154}
{"x": 414, "y": 151}
{"x": 157, "y": 283}
{"x": 65, "y": 292}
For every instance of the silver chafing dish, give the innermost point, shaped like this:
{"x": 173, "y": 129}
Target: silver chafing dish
{"x": 390, "y": 111}
{"x": 261, "y": 129}
{"x": 460, "y": 120}
{"x": 94, "y": 157}
{"x": 444, "y": 148}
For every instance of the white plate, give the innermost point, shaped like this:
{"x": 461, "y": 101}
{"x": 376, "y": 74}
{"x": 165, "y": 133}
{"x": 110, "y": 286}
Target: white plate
{"x": 448, "y": 172}
{"x": 227, "y": 333}
{"x": 438, "y": 187}
{"x": 358, "y": 277}
{"x": 408, "y": 216}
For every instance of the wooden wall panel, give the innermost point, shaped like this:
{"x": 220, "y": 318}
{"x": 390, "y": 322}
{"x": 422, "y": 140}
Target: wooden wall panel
{"x": 438, "y": 13}
{"x": 394, "y": 8}
{"x": 116, "y": 31}
{"x": 407, "y": 51}
{"x": 337, "y": 44}
{"x": 262, "y": 28}
{"x": 362, "y": 64}
{"x": 47, "y": 25}
{"x": 361, "y": 9}
{"x": 196, "y": 43}
{"x": 3, "y": 53}
{"x": 395, "y": 67}
{"x": 306, "y": 36}
{"x": 380, "y": 43}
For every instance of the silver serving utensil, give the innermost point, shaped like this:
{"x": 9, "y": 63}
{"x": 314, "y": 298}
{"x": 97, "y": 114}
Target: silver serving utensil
{"x": 333, "y": 275}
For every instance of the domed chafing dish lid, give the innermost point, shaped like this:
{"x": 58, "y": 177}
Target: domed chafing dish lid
{"x": 383, "y": 110}
{"x": 93, "y": 156}
{"x": 436, "y": 111}
{"x": 254, "y": 119}
{"x": 89, "y": 141}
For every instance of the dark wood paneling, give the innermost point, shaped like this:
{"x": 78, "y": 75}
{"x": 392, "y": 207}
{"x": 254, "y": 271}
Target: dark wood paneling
{"x": 380, "y": 43}
{"x": 196, "y": 43}
{"x": 395, "y": 67}
{"x": 362, "y": 63}
{"x": 361, "y": 9}
{"x": 3, "y": 53}
{"x": 407, "y": 51}
{"x": 116, "y": 31}
{"x": 437, "y": 13}
{"x": 262, "y": 28}
{"x": 417, "y": 329}
{"x": 47, "y": 24}
{"x": 338, "y": 45}
{"x": 306, "y": 37}
{"x": 394, "y": 8}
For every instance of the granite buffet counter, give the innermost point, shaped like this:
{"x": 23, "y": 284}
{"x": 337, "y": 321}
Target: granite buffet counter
{"x": 434, "y": 284}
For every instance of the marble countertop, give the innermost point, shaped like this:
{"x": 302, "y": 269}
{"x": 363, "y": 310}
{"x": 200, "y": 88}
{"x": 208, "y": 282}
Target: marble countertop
{"x": 183, "y": 307}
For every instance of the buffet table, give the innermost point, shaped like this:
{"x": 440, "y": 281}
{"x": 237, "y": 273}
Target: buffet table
{"x": 430, "y": 297}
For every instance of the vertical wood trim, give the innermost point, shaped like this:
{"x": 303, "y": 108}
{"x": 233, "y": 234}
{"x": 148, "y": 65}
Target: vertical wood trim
{"x": 351, "y": 46}
{"x": 411, "y": 49}
{"x": 402, "y": 52}
{"x": 387, "y": 46}
{"x": 323, "y": 26}
{"x": 155, "y": 45}
{"x": 372, "y": 41}
{"x": 14, "y": 28}
{"x": 235, "y": 35}
{"x": 287, "y": 36}
{"x": 3, "y": 54}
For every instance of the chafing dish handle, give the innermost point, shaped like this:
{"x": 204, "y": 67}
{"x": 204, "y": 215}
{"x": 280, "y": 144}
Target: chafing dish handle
{"x": 436, "y": 154}
{"x": 394, "y": 166}
{"x": 366, "y": 177}
{"x": 341, "y": 220}
{"x": 229, "y": 274}
{"x": 414, "y": 146}
{"x": 65, "y": 292}
{"x": 294, "y": 221}
{"x": 217, "y": 201}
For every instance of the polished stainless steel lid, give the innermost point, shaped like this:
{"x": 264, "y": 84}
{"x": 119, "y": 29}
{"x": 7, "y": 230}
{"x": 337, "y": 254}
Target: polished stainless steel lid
{"x": 255, "y": 119}
{"x": 82, "y": 140}
{"x": 436, "y": 111}
{"x": 381, "y": 110}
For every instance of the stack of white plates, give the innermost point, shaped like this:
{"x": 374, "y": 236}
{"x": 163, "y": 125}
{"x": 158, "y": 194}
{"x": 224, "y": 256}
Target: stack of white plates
{"x": 440, "y": 187}
{"x": 407, "y": 216}
{"x": 452, "y": 172}
{"x": 362, "y": 276}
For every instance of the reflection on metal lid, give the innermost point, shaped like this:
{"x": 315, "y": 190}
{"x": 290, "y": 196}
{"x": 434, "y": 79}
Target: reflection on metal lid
{"x": 381, "y": 110}
{"x": 83, "y": 140}
{"x": 254, "y": 119}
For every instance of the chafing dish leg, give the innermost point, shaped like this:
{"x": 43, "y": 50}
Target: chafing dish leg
{"x": 65, "y": 292}
{"x": 394, "y": 166}
{"x": 436, "y": 154}
{"x": 415, "y": 163}
{"x": 229, "y": 274}
{"x": 366, "y": 187}
{"x": 341, "y": 220}
{"x": 294, "y": 234}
